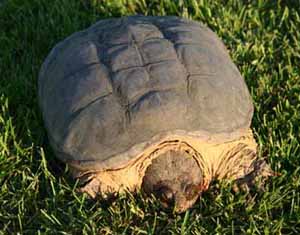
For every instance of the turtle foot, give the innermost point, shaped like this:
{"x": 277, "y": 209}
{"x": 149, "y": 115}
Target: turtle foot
{"x": 89, "y": 185}
{"x": 256, "y": 178}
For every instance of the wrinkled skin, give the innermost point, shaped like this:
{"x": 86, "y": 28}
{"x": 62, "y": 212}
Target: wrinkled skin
{"x": 175, "y": 179}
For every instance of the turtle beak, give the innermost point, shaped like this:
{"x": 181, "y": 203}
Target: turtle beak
{"x": 182, "y": 203}
{"x": 186, "y": 198}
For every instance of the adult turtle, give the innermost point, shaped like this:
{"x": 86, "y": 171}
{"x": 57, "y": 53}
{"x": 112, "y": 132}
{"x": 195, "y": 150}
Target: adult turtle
{"x": 149, "y": 102}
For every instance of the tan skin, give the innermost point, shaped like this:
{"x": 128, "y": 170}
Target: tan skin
{"x": 175, "y": 179}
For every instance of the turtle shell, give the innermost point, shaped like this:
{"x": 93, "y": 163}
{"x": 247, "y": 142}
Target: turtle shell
{"x": 121, "y": 82}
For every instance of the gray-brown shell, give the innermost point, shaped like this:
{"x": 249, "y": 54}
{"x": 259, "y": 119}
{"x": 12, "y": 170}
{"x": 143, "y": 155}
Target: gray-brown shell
{"x": 123, "y": 81}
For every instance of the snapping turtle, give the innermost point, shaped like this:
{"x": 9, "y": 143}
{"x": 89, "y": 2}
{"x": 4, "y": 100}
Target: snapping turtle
{"x": 149, "y": 102}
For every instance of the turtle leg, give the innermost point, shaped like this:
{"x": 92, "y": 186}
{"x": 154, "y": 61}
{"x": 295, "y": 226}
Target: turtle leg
{"x": 91, "y": 188}
{"x": 88, "y": 182}
{"x": 91, "y": 183}
{"x": 107, "y": 184}
{"x": 261, "y": 171}
{"x": 242, "y": 165}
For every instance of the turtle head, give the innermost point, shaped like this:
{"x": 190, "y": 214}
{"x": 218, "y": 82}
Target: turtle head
{"x": 175, "y": 178}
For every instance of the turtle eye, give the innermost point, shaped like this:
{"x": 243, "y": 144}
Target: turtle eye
{"x": 191, "y": 191}
{"x": 165, "y": 194}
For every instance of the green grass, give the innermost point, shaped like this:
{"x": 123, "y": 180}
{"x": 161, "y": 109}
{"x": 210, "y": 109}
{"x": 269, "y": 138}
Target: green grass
{"x": 38, "y": 197}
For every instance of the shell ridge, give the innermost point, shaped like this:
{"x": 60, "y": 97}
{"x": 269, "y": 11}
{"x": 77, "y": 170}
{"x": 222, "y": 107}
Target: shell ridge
{"x": 139, "y": 52}
{"x": 74, "y": 115}
{"x": 177, "y": 57}
{"x": 122, "y": 99}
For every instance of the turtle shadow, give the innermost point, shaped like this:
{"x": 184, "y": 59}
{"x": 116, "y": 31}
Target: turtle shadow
{"x": 27, "y": 123}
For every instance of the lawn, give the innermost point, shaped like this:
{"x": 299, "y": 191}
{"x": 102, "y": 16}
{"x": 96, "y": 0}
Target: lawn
{"x": 37, "y": 195}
